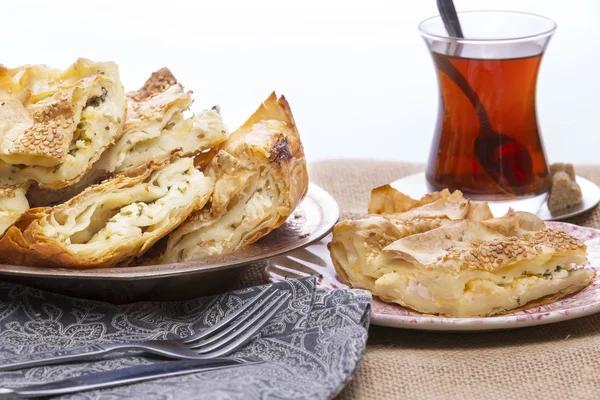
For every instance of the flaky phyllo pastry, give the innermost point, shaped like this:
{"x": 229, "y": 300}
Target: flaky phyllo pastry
{"x": 54, "y": 124}
{"x": 13, "y": 203}
{"x": 403, "y": 217}
{"x": 155, "y": 126}
{"x": 111, "y": 174}
{"x": 260, "y": 177}
{"x": 449, "y": 257}
{"x": 111, "y": 223}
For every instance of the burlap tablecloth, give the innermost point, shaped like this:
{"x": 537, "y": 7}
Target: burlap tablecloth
{"x": 557, "y": 361}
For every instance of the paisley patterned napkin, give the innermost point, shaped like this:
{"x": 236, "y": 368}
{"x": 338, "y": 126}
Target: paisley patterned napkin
{"x": 312, "y": 345}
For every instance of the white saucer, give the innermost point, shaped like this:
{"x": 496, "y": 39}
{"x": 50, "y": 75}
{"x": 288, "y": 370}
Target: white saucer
{"x": 416, "y": 186}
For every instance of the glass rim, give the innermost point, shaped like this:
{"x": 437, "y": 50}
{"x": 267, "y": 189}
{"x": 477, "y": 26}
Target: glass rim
{"x": 454, "y": 39}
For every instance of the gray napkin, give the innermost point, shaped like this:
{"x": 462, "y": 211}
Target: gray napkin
{"x": 312, "y": 345}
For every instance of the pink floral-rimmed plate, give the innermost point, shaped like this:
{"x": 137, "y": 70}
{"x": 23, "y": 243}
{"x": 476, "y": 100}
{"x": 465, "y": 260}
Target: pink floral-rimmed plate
{"x": 315, "y": 260}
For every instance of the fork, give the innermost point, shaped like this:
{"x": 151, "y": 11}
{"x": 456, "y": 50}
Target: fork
{"x": 218, "y": 340}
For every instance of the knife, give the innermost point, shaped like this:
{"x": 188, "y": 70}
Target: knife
{"x": 122, "y": 376}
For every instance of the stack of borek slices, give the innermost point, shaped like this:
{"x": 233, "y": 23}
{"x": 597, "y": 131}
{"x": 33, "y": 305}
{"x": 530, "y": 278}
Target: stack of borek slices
{"x": 112, "y": 175}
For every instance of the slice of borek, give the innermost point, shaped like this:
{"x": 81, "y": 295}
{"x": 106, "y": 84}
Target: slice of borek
{"x": 260, "y": 177}
{"x": 109, "y": 224}
{"x": 356, "y": 244}
{"x": 54, "y": 124}
{"x": 472, "y": 268}
{"x": 155, "y": 127}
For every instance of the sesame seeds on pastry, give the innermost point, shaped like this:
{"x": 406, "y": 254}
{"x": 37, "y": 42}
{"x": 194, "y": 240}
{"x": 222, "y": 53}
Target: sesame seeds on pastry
{"x": 54, "y": 125}
{"x": 111, "y": 174}
{"x": 463, "y": 267}
{"x": 155, "y": 126}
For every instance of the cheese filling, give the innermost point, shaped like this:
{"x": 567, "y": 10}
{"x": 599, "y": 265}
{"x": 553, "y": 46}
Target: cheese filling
{"x": 245, "y": 213}
{"x": 114, "y": 218}
{"x": 96, "y": 99}
{"x": 13, "y": 203}
{"x": 454, "y": 291}
{"x": 247, "y": 200}
{"x": 473, "y": 293}
{"x": 192, "y": 136}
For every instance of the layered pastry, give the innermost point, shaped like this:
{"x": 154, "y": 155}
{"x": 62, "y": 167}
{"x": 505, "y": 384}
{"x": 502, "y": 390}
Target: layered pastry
{"x": 260, "y": 177}
{"x": 387, "y": 200}
{"x": 109, "y": 174}
{"x": 54, "y": 124}
{"x": 359, "y": 242}
{"x": 13, "y": 203}
{"x": 109, "y": 224}
{"x": 459, "y": 267}
{"x": 155, "y": 126}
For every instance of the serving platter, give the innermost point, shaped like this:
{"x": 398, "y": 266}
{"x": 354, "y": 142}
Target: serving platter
{"x": 416, "y": 185}
{"x": 312, "y": 220}
{"x": 315, "y": 260}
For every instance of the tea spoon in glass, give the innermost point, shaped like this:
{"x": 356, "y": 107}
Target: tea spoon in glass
{"x": 503, "y": 159}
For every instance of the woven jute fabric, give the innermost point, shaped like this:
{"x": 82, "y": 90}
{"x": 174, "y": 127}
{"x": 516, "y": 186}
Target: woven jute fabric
{"x": 557, "y": 361}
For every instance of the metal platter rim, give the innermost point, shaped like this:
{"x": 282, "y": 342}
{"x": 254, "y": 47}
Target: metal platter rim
{"x": 315, "y": 197}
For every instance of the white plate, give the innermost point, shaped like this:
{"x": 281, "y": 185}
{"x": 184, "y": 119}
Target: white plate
{"x": 315, "y": 260}
{"x": 416, "y": 186}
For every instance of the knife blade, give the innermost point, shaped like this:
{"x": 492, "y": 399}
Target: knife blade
{"x": 122, "y": 376}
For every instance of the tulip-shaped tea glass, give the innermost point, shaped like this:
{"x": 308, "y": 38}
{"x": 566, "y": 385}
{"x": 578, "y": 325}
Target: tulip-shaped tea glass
{"x": 487, "y": 142}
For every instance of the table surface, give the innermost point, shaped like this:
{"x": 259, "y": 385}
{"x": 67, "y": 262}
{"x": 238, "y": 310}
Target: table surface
{"x": 350, "y": 68}
{"x": 551, "y": 361}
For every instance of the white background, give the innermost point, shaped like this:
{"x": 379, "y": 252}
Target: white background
{"x": 356, "y": 73}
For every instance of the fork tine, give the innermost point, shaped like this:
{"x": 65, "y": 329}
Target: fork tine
{"x": 225, "y": 321}
{"x": 235, "y": 325}
{"x": 239, "y": 337}
{"x": 237, "y": 328}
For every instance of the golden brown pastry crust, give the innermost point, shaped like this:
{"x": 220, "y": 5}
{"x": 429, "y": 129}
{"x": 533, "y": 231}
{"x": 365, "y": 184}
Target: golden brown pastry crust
{"x": 158, "y": 83}
{"x": 387, "y": 200}
{"x": 459, "y": 263}
{"x": 260, "y": 170}
{"x": 371, "y": 234}
{"x": 478, "y": 246}
{"x": 55, "y": 124}
{"x": 261, "y": 176}
{"x": 154, "y": 127}
{"x": 29, "y": 242}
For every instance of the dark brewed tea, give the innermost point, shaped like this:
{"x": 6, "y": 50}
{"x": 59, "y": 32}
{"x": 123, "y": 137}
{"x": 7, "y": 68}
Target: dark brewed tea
{"x": 506, "y": 90}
